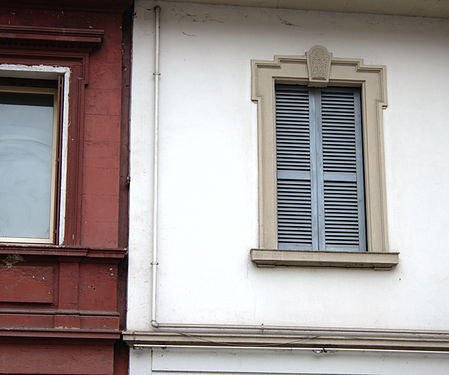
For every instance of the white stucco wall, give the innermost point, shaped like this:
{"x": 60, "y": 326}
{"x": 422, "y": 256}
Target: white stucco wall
{"x": 264, "y": 362}
{"x": 208, "y": 171}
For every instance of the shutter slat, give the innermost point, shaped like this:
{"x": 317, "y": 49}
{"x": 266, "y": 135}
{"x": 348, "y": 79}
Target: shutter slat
{"x": 292, "y": 130}
{"x": 294, "y": 212}
{"x": 333, "y": 136}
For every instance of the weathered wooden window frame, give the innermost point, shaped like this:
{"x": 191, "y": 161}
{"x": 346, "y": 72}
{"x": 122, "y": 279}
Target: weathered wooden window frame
{"x": 35, "y": 52}
{"x": 318, "y": 68}
{"x": 54, "y": 180}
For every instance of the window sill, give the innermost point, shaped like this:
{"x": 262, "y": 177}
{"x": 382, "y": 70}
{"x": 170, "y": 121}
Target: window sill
{"x": 376, "y": 260}
{"x": 9, "y": 249}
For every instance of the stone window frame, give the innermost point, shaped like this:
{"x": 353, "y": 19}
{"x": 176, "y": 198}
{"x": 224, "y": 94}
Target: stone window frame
{"x": 318, "y": 68}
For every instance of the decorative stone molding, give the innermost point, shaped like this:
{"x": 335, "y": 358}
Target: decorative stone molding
{"x": 318, "y": 66}
{"x": 347, "y": 72}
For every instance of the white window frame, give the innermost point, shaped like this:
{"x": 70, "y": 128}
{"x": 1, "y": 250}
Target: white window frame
{"x": 51, "y": 73}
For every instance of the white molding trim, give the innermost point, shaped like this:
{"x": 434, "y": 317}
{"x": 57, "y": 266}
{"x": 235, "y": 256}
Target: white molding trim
{"x": 307, "y": 338}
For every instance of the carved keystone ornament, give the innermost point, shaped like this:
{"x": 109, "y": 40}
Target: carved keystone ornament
{"x": 318, "y": 66}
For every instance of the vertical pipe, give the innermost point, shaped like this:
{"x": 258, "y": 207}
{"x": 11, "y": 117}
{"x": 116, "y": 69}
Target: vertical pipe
{"x": 154, "y": 263}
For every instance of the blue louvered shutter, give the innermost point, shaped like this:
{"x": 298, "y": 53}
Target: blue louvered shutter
{"x": 296, "y": 218}
{"x": 320, "y": 195}
{"x": 342, "y": 212}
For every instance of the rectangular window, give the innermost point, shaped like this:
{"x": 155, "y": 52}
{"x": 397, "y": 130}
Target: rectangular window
{"x": 29, "y": 135}
{"x": 319, "y": 167}
{"x": 322, "y": 198}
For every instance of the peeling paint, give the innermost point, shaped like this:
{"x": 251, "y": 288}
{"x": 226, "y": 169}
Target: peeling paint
{"x": 287, "y": 23}
{"x": 12, "y": 259}
{"x": 202, "y": 18}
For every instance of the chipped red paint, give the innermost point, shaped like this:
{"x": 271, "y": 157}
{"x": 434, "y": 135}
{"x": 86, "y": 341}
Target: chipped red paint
{"x": 62, "y": 307}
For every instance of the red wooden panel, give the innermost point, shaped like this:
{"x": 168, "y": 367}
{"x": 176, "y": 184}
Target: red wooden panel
{"x": 26, "y": 284}
{"x": 98, "y": 287}
{"x": 42, "y": 319}
{"x": 68, "y": 285}
{"x": 67, "y": 321}
{"x": 99, "y": 322}
{"x": 57, "y": 358}
{"x": 14, "y": 319}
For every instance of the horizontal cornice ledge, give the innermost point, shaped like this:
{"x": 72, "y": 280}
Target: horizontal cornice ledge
{"x": 343, "y": 259}
{"x": 437, "y": 341}
{"x": 97, "y": 5}
{"x": 64, "y": 251}
{"x": 66, "y": 333}
{"x": 50, "y": 37}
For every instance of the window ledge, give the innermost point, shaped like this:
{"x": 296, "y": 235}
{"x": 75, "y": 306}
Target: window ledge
{"x": 9, "y": 249}
{"x": 50, "y": 37}
{"x": 344, "y": 259}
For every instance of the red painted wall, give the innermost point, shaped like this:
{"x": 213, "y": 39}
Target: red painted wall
{"x": 62, "y": 307}
{"x": 102, "y": 117}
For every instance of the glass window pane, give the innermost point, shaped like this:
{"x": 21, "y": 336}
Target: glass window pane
{"x": 26, "y": 129}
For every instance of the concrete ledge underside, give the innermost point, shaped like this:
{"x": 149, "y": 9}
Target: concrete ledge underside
{"x": 433, "y": 341}
{"x": 344, "y": 259}
{"x": 420, "y": 8}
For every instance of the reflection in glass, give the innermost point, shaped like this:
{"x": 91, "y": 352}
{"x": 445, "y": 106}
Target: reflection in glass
{"x": 26, "y": 133}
